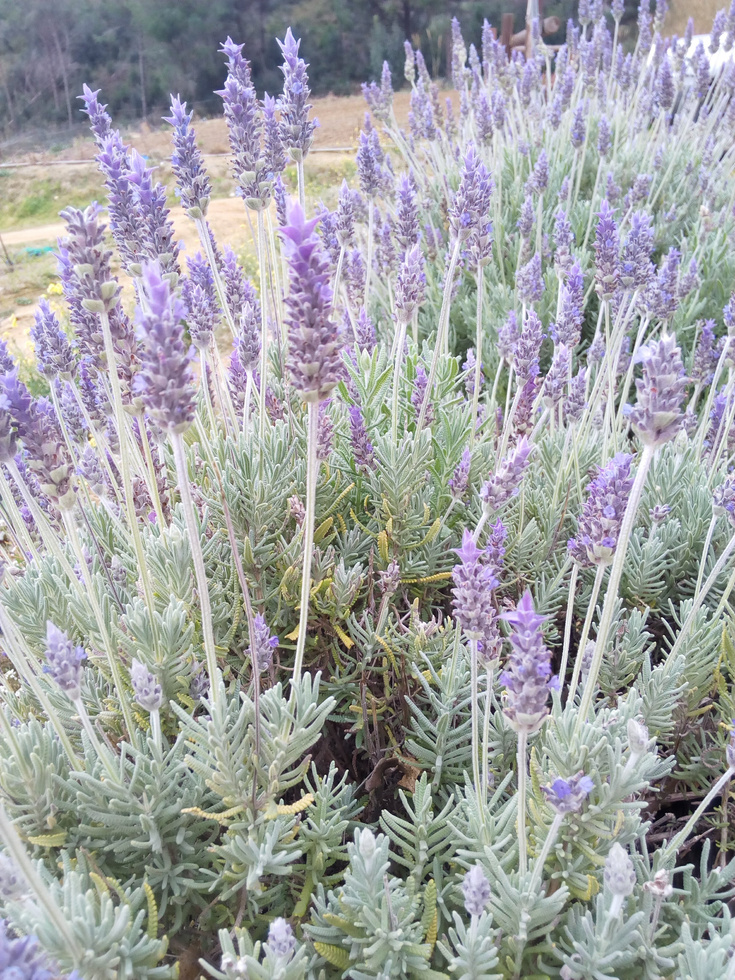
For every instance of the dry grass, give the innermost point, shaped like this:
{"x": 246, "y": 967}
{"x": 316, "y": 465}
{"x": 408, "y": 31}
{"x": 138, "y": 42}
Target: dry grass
{"x": 702, "y": 11}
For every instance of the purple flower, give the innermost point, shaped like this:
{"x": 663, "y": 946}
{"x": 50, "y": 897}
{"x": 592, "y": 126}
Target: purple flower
{"x": 607, "y": 253}
{"x": 281, "y": 941}
{"x": 529, "y": 281}
{"x": 165, "y": 381}
{"x": 662, "y": 297}
{"x": 410, "y": 285}
{"x": 474, "y": 582}
{"x": 579, "y": 127}
{"x": 568, "y": 795}
{"x": 23, "y": 959}
{"x": 526, "y": 353}
{"x": 476, "y": 891}
{"x": 539, "y": 179}
{"x": 202, "y": 311}
{"x": 369, "y": 160}
{"x": 468, "y": 368}
{"x": 64, "y": 661}
{"x": 420, "y": 393}
{"x": 568, "y": 327}
{"x": 563, "y": 239}
{"x": 54, "y": 354}
{"x": 527, "y": 675}
{"x": 262, "y": 644}
{"x": 657, "y": 416}
{"x": 146, "y": 688}
{"x": 407, "y": 225}
{"x": 37, "y": 425}
{"x": 576, "y": 400}
{"x": 157, "y": 238}
{"x": 193, "y": 185}
{"x": 705, "y": 355}
{"x": 508, "y": 336}
{"x": 275, "y": 158}
{"x": 362, "y": 449}
{"x": 380, "y": 97}
{"x": 245, "y": 128}
{"x": 504, "y": 484}
{"x": 365, "y": 330}
{"x": 314, "y": 359}
{"x": 604, "y": 137}
{"x": 557, "y": 376}
{"x": 723, "y": 499}
{"x": 83, "y": 251}
{"x": 459, "y": 481}
{"x": 602, "y": 515}
{"x": 471, "y": 203}
{"x": 126, "y": 222}
{"x": 100, "y": 121}
{"x": 297, "y": 130}
{"x": 526, "y": 219}
{"x": 636, "y": 268}
{"x": 345, "y": 217}
{"x": 421, "y": 114}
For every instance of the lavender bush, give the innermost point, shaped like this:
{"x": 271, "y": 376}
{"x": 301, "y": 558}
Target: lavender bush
{"x": 375, "y": 621}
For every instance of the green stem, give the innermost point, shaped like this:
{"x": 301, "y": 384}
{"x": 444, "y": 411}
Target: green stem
{"x": 521, "y": 796}
{"x": 263, "y": 325}
{"x": 308, "y": 539}
{"x": 478, "y": 352}
{"x": 198, "y": 559}
{"x": 538, "y": 867}
{"x": 401, "y": 337}
{"x": 568, "y": 623}
{"x": 475, "y": 714}
{"x": 486, "y": 729}
{"x": 591, "y": 609}
{"x": 705, "y": 552}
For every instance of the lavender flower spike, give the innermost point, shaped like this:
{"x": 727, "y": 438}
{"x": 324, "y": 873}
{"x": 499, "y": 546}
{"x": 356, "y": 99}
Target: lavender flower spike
{"x": 410, "y": 285}
{"x": 64, "y": 661}
{"x": 602, "y": 515}
{"x": 297, "y": 131}
{"x": 657, "y": 416}
{"x": 568, "y": 795}
{"x": 476, "y": 891}
{"x": 607, "y": 253}
{"x": 474, "y": 582}
{"x": 314, "y": 342}
{"x": 281, "y": 941}
{"x": 472, "y": 200}
{"x": 504, "y": 484}
{"x": 146, "y": 688}
{"x": 527, "y": 676}
{"x": 165, "y": 381}
{"x": 362, "y": 448}
{"x": 262, "y": 643}
{"x": 193, "y": 185}
{"x": 54, "y": 354}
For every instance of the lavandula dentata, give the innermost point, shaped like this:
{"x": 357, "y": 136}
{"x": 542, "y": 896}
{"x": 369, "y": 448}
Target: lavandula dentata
{"x": 165, "y": 382}
{"x": 656, "y": 419}
{"x": 474, "y": 582}
{"x": 527, "y": 680}
{"x": 314, "y": 363}
{"x": 297, "y": 130}
{"x": 467, "y": 216}
{"x": 597, "y": 535}
{"x": 410, "y": 286}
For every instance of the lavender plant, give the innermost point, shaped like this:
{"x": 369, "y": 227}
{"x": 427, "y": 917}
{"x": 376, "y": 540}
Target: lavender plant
{"x": 245, "y": 729}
